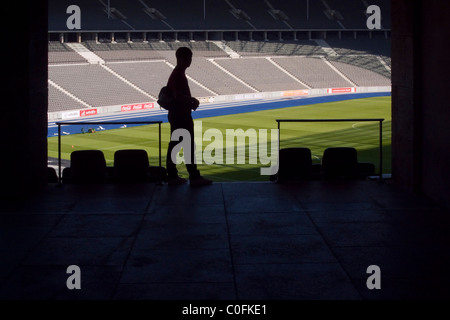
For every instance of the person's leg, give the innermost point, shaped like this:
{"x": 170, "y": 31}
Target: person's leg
{"x": 191, "y": 165}
{"x": 194, "y": 174}
{"x": 171, "y": 167}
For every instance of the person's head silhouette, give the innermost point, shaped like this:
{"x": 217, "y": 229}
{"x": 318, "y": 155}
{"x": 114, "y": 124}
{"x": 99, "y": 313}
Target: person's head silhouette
{"x": 184, "y": 57}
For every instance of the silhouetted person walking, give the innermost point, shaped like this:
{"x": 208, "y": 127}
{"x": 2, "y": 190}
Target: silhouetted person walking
{"x": 180, "y": 118}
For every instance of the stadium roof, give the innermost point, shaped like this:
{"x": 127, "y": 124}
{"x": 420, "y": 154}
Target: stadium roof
{"x": 163, "y": 15}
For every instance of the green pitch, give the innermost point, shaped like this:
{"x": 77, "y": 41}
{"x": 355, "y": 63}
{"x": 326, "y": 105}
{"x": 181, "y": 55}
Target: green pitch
{"x": 364, "y": 136}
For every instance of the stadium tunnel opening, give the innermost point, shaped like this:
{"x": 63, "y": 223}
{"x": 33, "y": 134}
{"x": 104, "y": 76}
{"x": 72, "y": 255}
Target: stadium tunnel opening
{"x": 419, "y": 69}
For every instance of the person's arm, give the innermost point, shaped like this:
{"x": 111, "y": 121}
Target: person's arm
{"x": 182, "y": 94}
{"x": 186, "y": 100}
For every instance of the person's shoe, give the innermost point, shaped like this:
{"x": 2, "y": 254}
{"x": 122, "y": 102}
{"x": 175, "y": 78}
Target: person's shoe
{"x": 176, "y": 181}
{"x": 200, "y": 181}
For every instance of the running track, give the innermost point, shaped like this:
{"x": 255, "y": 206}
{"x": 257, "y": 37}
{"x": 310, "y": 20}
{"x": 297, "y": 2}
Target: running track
{"x": 204, "y": 111}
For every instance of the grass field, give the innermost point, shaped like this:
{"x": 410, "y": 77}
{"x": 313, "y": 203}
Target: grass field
{"x": 364, "y": 136}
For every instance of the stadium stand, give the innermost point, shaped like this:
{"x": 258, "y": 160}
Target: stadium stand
{"x": 263, "y": 67}
{"x": 60, "y": 53}
{"x": 123, "y": 51}
{"x": 260, "y": 74}
{"x": 368, "y": 62}
{"x": 152, "y": 50}
{"x": 149, "y": 76}
{"x": 312, "y": 71}
{"x": 361, "y": 77}
{"x": 327, "y": 45}
{"x": 59, "y": 101}
{"x": 252, "y": 48}
{"x": 363, "y": 45}
{"x": 214, "y": 78}
{"x": 95, "y": 85}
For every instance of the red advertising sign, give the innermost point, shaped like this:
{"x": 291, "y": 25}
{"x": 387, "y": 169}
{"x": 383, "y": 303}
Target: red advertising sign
{"x": 88, "y": 112}
{"x": 137, "y": 106}
{"x": 295, "y": 93}
{"x": 341, "y": 90}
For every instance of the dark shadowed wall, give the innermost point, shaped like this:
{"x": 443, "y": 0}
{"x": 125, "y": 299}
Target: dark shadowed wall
{"x": 420, "y": 97}
{"x": 24, "y": 99}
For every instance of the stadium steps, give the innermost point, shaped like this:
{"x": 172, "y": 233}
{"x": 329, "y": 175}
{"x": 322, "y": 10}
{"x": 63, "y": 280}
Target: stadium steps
{"x": 230, "y": 52}
{"x": 95, "y": 59}
{"x": 339, "y": 72}
{"x": 326, "y": 47}
{"x": 90, "y": 56}
{"x": 385, "y": 65}
{"x": 127, "y": 81}
{"x": 69, "y": 94}
{"x": 287, "y": 72}
{"x": 195, "y": 81}
{"x": 233, "y": 76}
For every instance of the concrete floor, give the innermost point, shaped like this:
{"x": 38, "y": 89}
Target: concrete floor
{"x": 229, "y": 241}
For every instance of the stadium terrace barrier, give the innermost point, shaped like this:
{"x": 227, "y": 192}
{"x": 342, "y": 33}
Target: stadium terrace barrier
{"x": 152, "y": 105}
{"x": 379, "y": 120}
{"x": 61, "y": 123}
{"x": 117, "y": 36}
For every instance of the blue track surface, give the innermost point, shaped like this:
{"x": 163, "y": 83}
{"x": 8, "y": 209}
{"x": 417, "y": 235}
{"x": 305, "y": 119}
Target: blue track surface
{"x": 208, "y": 111}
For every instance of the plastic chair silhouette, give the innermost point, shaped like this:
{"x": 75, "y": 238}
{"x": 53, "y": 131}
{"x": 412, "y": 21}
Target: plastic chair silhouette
{"x": 131, "y": 165}
{"x": 294, "y": 164}
{"x": 87, "y": 166}
{"x": 52, "y": 177}
{"x": 339, "y": 163}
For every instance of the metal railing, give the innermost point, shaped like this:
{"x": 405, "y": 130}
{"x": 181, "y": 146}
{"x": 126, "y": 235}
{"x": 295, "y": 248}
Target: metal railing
{"x": 379, "y": 120}
{"x": 61, "y": 123}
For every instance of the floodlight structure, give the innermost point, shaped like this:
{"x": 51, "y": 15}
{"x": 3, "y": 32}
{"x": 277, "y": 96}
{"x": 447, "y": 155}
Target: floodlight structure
{"x": 278, "y": 14}
{"x": 240, "y": 14}
{"x": 333, "y": 15}
{"x": 154, "y": 13}
{"x": 113, "y": 13}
